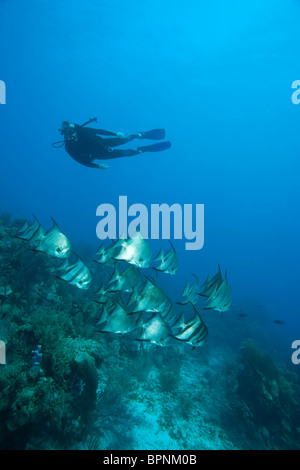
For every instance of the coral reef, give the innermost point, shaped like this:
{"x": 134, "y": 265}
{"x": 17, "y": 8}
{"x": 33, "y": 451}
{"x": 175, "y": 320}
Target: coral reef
{"x": 268, "y": 399}
{"x": 67, "y": 386}
{"x": 52, "y": 393}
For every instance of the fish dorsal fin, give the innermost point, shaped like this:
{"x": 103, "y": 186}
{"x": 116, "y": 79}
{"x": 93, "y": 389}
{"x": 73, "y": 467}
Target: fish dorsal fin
{"x": 149, "y": 282}
{"x": 115, "y": 275}
{"x": 139, "y": 321}
{"x": 186, "y": 289}
{"x": 160, "y": 255}
{"x": 101, "y": 249}
{"x": 104, "y": 315}
{"x": 100, "y": 290}
{"x": 196, "y": 311}
{"x": 120, "y": 242}
{"x": 172, "y": 246}
{"x": 133, "y": 296}
{"x": 64, "y": 265}
{"x": 55, "y": 226}
{"x": 180, "y": 322}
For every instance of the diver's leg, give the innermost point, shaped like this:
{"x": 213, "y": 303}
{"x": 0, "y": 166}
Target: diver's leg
{"x": 155, "y": 134}
{"x": 119, "y": 154}
{"x": 112, "y": 153}
{"x": 116, "y": 141}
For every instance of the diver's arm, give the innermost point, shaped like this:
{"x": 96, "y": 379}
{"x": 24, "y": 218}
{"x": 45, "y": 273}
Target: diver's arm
{"x": 97, "y": 131}
{"x": 84, "y": 161}
{"x": 89, "y": 121}
{"x": 100, "y": 131}
{"x": 100, "y": 166}
{"x": 91, "y": 165}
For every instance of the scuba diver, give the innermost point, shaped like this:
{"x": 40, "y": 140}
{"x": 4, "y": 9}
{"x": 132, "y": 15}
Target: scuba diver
{"x": 85, "y": 145}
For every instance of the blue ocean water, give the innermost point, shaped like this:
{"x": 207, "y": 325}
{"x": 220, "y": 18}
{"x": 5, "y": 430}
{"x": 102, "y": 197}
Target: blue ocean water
{"x": 218, "y": 77}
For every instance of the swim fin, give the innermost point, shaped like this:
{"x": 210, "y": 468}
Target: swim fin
{"x": 155, "y": 147}
{"x": 155, "y": 134}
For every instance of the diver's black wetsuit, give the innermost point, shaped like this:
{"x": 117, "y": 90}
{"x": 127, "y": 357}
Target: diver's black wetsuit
{"x": 86, "y": 145}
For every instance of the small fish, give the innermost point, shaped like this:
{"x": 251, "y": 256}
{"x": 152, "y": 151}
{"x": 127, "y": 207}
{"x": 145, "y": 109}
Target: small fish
{"x": 193, "y": 332}
{"x": 151, "y": 299}
{"x": 243, "y": 315}
{"x": 279, "y": 322}
{"x": 211, "y": 285}
{"x": 101, "y": 295}
{"x": 54, "y": 243}
{"x": 105, "y": 297}
{"x": 134, "y": 250}
{"x": 155, "y": 330}
{"x": 191, "y": 292}
{"x": 169, "y": 262}
{"x": 218, "y": 293}
{"x": 114, "y": 319}
{"x": 106, "y": 255}
{"x": 76, "y": 275}
{"x": 126, "y": 281}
